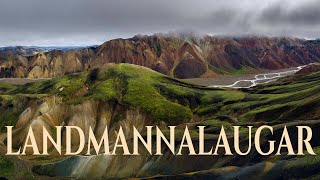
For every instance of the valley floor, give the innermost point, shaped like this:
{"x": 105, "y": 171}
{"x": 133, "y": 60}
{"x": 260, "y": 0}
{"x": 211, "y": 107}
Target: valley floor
{"x": 232, "y": 81}
{"x": 245, "y": 81}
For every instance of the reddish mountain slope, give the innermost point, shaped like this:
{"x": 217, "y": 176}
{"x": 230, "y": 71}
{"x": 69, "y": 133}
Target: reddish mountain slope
{"x": 181, "y": 56}
{"x": 45, "y": 65}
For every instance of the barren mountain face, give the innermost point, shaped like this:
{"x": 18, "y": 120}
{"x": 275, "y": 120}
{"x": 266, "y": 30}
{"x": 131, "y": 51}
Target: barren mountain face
{"x": 181, "y": 56}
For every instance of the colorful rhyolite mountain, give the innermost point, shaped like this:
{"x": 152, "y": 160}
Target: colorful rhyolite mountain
{"x": 177, "y": 55}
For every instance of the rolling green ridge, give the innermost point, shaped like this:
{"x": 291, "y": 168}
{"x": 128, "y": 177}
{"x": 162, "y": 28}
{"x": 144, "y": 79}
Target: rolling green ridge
{"x": 176, "y": 102}
{"x": 173, "y": 101}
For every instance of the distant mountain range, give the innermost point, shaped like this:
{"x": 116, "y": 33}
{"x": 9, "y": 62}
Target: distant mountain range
{"x": 177, "y": 55}
{"x": 33, "y": 50}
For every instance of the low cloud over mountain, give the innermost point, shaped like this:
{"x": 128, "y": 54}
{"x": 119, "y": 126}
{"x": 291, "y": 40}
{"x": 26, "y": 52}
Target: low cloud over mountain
{"x": 79, "y": 22}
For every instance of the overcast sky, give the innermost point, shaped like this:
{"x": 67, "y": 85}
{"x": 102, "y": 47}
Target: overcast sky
{"x": 88, "y": 22}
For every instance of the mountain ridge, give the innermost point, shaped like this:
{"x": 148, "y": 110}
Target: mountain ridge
{"x": 178, "y": 55}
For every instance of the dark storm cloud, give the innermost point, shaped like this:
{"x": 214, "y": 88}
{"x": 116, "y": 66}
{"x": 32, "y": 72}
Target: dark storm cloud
{"x": 77, "y": 22}
{"x": 306, "y": 14}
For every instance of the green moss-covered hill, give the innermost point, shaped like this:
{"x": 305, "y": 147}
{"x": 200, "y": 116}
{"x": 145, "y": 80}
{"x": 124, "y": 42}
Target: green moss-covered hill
{"x": 166, "y": 99}
{"x": 174, "y": 102}
{"x": 171, "y": 100}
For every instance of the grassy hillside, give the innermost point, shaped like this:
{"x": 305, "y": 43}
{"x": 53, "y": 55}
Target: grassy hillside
{"x": 173, "y": 101}
{"x": 166, "y": 99}
{"x": 291, "y": 98}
